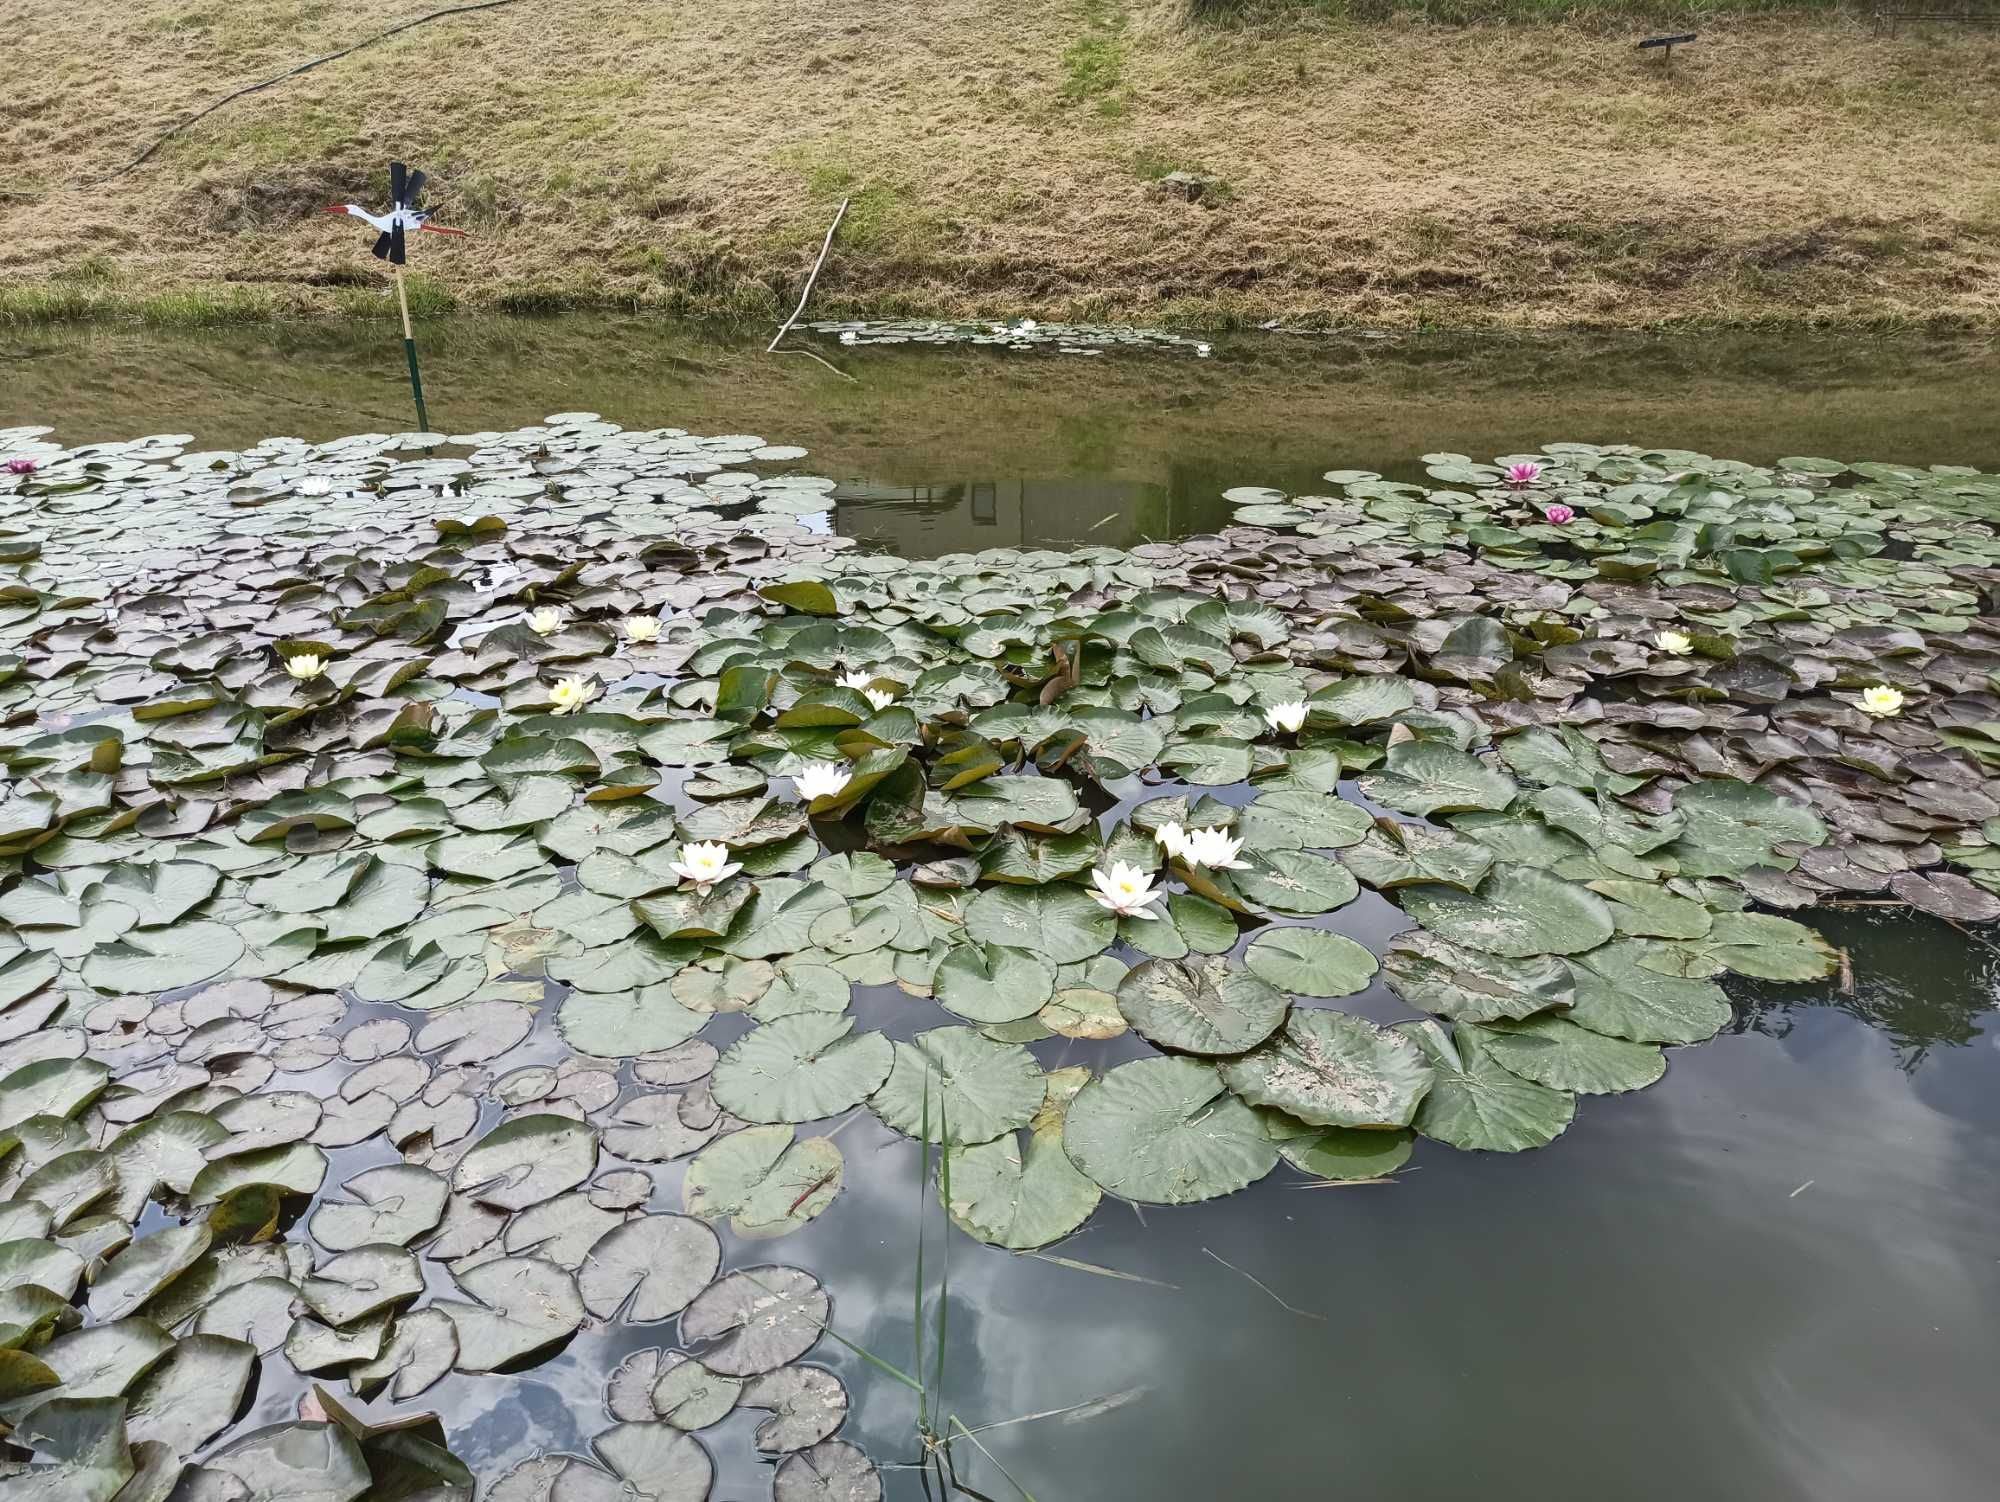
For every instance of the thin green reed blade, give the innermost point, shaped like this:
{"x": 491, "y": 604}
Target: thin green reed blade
{"x": 944, "y": 1249}
{"x": 917, "y": 1322}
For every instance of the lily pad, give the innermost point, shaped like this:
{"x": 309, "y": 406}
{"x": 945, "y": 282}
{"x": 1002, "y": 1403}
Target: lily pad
{"x": 762, "y": 1181}
{"x": 1209, "y": 1007}
{"x": 1478, "y": 1104}
{"x": 1310, "y": 962}
{"x": 1166, "y": 1131}
{"x": 1517, "y": 912}
{"x": 953, "y": 1084}
{"x": 801, "y": 1068}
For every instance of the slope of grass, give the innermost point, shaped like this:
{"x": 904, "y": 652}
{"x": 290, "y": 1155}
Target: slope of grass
{"x": 686, "y": 155}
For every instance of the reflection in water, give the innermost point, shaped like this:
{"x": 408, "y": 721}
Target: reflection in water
{"x": 1901, "y": 997}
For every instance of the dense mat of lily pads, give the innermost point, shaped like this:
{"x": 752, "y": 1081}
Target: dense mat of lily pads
{"x": 338, "y": 773}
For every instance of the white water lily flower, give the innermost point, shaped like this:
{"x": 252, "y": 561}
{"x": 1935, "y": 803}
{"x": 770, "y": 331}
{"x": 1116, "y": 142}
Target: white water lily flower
{"x": 1028, "y": 326}
{"x": 1125, "y": 890}
{"x": 855, "y": 680}
{"x": 1287, "y": 717}
{"x": 848, "y": 337}
{"x": 1674, "y": 643}
{"x": 314, "y": 485}
{"x": 642, "y": 628}
{"x": 1173, "y": 839}
{"x": 1202, "y": 351}
{"x": 821, "y": 779}
{"x": 305, "y": 665}
{"x": 571, "y": 694}
{"x": 1215, "y": 848}
{"x": 880, "y": 698}
{"x": 1882, "y": 701}
{"x": 545, "y": 622}
{"x": 704, "y": 864}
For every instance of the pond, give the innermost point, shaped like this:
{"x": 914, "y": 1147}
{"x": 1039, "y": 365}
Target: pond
{"x": 421, "y": 908}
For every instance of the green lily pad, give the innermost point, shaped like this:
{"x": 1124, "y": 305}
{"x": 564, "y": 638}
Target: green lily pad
{"x": 1166, "y": 1131}
{"x": 951, "y": 1084}
{"x": 1310, "y": 962}
{"x": 1468, "y": 986}
{"x": 1476, "y": 1103}
{"x": 1621, "y": 996}
{"x": 1329, "y": 1069}
{"x": 526, "y": 1305}
{"x": 1059, "y": 924}
{"x": 1020, "y": 1195}
{"x": 1517, "y": 912}
{"x": 649, "y": 1268}
{"x": 1209, "y": 1007}
{"x": 1426, "y": 777}
{"x": 801, "y": 1068}
{"x": 992, "y": 983}
{"x": 1555, "y": 1052}
{"x": 762, "y": 1181}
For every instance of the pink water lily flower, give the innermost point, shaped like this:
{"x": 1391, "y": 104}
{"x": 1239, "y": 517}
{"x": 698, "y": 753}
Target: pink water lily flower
{"x": 1557, "y": 515}
{"x": 20, "y": 466}
{"x": 1519, "y": 475}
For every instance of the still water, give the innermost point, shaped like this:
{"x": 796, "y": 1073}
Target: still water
{"x": 1774, "y": 1275}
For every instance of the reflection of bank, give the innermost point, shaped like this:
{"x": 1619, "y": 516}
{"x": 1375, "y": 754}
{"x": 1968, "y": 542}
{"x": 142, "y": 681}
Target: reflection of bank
{"x": 922, "y": 521}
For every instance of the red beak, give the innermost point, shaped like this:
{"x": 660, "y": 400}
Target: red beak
{"x": 334, "y": 208}
{"x": 439, "y": 229}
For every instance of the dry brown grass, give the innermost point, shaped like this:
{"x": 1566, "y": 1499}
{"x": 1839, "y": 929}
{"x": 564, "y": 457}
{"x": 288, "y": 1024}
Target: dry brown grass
{"x": 688, "y": 154}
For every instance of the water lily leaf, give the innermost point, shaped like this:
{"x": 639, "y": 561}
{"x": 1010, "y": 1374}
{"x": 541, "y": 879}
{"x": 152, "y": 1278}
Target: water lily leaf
{"x": 146, "y": 1266}
{"x": 50, "y": 1087}
{"x": 831, "y": 1471}
{"x": 649, "y": 1268}
{"x": 1207, "y": 1007}
{"x": 1310, "y": 962}
{"x": 295, "y": 1463}
{"x": 1338, "y": 1153}
{"x": 475, "y": 1032}
{"x": 163, "y": 959}
{"x": 1758, "y": 944}
{"x": 1166, "y": 1131}
{"x": 1361, "y": 701}
{"x": 1469, "y": 986}
{"x": 39, "y": 1264}
{"x": 1644, "y": 909}
{"x": 779, "y": 919}
{"x": 801, "y": 1068}
{"x": 1294, "y": 882}
{"x": 1301, "y": 821}
{"x": 755, "y": 1320}
{"x": 953, "y": 1082}
{"x": 1555, "y": 1052}
{"x": 1058, "y": 923}
{"x": 103, "y": 1360}
{"x": 1619, "y": 995}
{"x": 193, "y": 1395}
{"x": 361, "y": 1282}
{"x": 806, "y": 1403}
{"x": 656, "y": 1461}
{"x": 1476, "y": 1104}
{"x": 69, "y": 1184}
{"x": 623, "y": 1024}
{"x": 396, "y": 1203}
{"x": 257, "y": 1311}
{"x": 1399, "y": 855}
{"x": 992, "y": 983}
{"x": 527, "y": 1160}
{"x": 422, "y": 1348}
{"x": 855, "y": 874}
{"x": 92, "y": 1458}
{"x": 762, "y": 1181}
{"x": 650, "y": 1129}
{"x": 1015, "y": 1196}
{"x": 1562, "y": 757}
{"x": 297, "y": 1169}
{"x": 1517, "y": 912}
{"x": 1428, "y": 777}
{"x": 1732, "y": 826}
{"x": 695, "y": 913}
{"x": 526, "y": 1305}
{"x": 1329, "y": 1069}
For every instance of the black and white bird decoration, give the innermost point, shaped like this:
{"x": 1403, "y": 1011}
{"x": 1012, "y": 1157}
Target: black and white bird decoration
{"x": 405, "y": 187}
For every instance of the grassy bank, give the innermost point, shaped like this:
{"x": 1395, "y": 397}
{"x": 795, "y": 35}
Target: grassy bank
{"x": 1367, "y": 164}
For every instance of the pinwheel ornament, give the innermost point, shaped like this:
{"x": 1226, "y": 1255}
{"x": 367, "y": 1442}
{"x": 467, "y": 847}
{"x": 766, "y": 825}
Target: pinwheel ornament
{"x": 391, "y": 244}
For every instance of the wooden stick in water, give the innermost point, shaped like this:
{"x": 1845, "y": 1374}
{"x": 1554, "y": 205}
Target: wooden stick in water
{"x": 806, "y": 295}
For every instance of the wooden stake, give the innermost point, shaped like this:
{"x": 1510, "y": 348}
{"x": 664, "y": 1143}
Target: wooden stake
{"x": 806, "y": 295}
{"x": 410, "y": 354}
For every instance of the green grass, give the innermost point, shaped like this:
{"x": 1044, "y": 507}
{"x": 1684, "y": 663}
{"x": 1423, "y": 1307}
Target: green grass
{"x": 1093, "y": 65}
